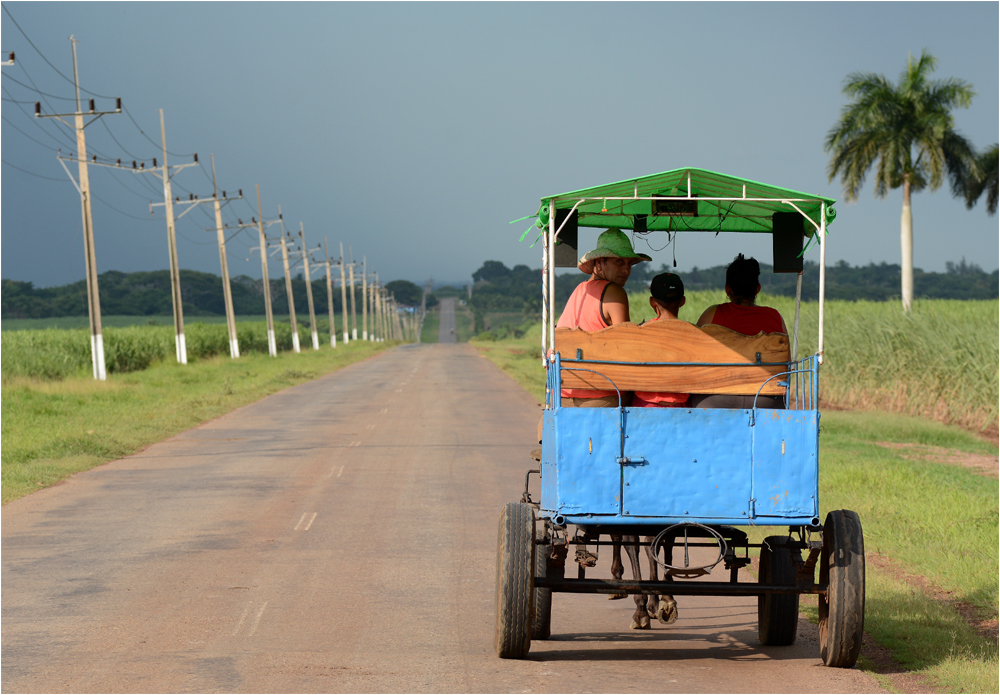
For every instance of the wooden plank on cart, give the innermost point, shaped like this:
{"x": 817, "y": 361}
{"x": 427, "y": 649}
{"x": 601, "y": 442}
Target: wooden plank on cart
{"x": 674, "y": 341}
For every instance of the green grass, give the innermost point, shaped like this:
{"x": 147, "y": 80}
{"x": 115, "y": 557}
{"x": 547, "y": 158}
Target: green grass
{"x": 122, "y": 321}
{"x": 52, "y": 429}
{"x": 432, "y": 324}
{"x": 938, "y": 362}
{"x": 935, "y": 520}
{"x": 57, "y": 353}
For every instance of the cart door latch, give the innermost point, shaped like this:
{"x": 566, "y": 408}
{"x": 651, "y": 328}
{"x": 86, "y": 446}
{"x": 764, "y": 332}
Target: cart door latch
{"x": 631, "y": 460}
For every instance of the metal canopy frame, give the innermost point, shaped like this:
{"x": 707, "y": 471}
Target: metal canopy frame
{"x": 551, "y": 235}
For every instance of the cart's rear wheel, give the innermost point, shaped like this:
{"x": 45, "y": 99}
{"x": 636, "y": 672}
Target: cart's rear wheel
{"x": 842, "y": 609}
{"x": 515, "y": 581}
{"x": 541, "y": 625}
{"x": 777, "y": 614}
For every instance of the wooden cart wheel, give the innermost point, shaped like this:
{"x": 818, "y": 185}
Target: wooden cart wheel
{"x": 777, "y": 614}
{"x": 515, "y": 581}
{"x": 842, "y": 609}
{"x": 541, "y": 625}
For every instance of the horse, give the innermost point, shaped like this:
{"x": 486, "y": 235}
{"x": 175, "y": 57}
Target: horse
{"x": 663, "y": 608}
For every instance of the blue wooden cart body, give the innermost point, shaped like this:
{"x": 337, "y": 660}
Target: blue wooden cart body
{"x": 661, "y": 466}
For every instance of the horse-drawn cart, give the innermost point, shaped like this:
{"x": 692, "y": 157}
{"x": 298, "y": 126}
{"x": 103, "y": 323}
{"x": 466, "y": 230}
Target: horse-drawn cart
{"x": 688, "y": 480}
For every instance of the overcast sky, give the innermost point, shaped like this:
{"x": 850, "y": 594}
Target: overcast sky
{"x": 416, "y": 132}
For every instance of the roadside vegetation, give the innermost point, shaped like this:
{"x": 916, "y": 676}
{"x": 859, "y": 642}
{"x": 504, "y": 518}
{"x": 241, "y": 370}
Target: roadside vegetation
{"x": 54, "y": 427}
{"x": 931, "y": 523}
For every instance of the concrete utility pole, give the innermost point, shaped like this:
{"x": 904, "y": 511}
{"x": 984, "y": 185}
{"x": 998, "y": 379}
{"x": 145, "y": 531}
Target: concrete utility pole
{"x": 83, "y": 188}
{"x": 175, "y": 273}
{"x": 309, "y": 290}
{"x": 354, "y": 312}
{"x": 272, "y": 346}
{"x": 329, "y": 294}
{"x": 227, "y": 291}
{"x": 364, "y": 297}
{"x": 192, "y": 202}
{"x": 343, "y": 294}
{"x": 288, "y": 285}
{"x": 377, "y": 309}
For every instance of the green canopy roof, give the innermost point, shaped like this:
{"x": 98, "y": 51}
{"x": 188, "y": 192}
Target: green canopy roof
{"x": 748, "y": 208}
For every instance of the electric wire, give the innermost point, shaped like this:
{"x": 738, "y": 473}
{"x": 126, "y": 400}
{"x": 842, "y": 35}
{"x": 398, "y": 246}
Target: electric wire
{"x": 121, "y": 212}
{"x": 157, "y": 144}
{"x": 37, "y": 49}
{"x": 36, "y": 89}
{"x": 48, "y": 147}
{"x": 33, "y": 173}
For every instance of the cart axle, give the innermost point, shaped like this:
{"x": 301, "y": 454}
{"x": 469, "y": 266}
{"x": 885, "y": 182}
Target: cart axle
{"x": 609, "y": 586}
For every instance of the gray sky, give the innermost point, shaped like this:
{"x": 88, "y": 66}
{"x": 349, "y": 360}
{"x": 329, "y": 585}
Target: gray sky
{"x": 416, "y": 132}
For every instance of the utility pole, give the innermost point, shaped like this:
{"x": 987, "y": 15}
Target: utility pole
{"x": 272, "y": 346}
{"x": 219, "y": 229}
{"x": 83, "y": 188}
{"x": 364, "y": 298}
{"x": 377, "y": 310}
{"x": 329, "y": 294}
{"x": 288, "y": 285}
{"x": 309, "y": 289}
{"x": 227, "y": 291}
{"x": 343, "y": 294}
{"x": 175, "y": 273}
{"x": 354, "y": 312}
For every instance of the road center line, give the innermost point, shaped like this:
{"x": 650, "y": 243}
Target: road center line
{"x": 311, "y": 520}
{"x": 243, "y": 617}
{"x": 383, "y": 411}
{"x": 340, "y": 471}
{"x": 298, "y": 525}
{"x": 256, "y": 621}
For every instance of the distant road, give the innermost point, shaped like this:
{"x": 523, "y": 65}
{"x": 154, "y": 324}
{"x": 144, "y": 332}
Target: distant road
{"x": 338, "y": 536}
{"x": 446, "y": 329}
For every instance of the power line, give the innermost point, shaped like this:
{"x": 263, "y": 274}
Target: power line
{"x": 155, "y": 143}
{"x": 48, "y": 147}
{"x": 46, "y": 59}
{"x": 32, "y": 173}
{"x": 36, "y": 89}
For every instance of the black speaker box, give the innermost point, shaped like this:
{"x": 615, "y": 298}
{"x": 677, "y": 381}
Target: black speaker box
{"x": 567, "y": 254}
{"x": 788, "y": 235}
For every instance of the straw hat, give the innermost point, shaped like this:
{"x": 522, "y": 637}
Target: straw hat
{"x": 613, "y": 243}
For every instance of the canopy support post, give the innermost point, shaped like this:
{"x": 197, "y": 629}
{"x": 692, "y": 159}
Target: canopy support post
{"x": 551, "y": 279}
{"x": 798, "y": 305}
{"x": 822, "y": 275}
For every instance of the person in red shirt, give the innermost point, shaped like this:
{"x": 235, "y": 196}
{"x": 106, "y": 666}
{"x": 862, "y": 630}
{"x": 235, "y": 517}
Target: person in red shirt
{"x": 742, "y": 315}
{"x": 666, "y": 297}
{"x": 741, "y": 312}
{"x": 601, "y": 302}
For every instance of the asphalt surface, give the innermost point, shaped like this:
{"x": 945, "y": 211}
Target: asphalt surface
{"x": 338, "y": 537}
{"x": 446, "y": 328}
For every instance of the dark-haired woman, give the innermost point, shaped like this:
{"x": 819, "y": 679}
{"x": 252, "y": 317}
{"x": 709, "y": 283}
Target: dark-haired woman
{"x": 742, "y": 315}
{"x": 741, "y": 312}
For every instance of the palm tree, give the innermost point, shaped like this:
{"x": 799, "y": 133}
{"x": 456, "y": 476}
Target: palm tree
{"x": 986, "y": 182}
{"x": 906, "y": 131}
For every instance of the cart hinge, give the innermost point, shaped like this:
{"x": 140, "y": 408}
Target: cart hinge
{"x": 753, "y": 508}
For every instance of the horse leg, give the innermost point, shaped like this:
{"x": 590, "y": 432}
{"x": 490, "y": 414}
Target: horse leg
{"x": 654, "y": 574}
{"x": 617, "y": 568}
{"x": 663, "y": 608}
{"x": 640, "y": 619}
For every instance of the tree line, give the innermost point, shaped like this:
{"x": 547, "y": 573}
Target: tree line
{"x": 148, "y": 294}
{"x": 501, "y": 289}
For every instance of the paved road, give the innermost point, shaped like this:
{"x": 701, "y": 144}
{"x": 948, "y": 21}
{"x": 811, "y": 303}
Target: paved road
{"x": 446, "y": 328}
{"x": 338, "y": 536}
